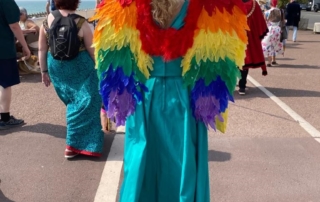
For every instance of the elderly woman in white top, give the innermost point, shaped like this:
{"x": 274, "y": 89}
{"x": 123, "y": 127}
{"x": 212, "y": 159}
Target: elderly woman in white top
{"x": 27, "y": 26}
{"x": 30, "y": 30}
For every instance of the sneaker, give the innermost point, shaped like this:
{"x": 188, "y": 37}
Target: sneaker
{"x": 68, "y": 154}
{"x": 11, "y": 123}
{"x": 2, "y": 125}
{"x": 242, "y": 91}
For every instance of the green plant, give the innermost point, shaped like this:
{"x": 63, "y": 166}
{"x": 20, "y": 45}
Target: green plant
{"x": 282, "y": 3}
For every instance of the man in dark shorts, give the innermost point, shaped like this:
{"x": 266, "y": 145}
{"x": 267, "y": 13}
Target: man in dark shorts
{"x": 9, "y": 73}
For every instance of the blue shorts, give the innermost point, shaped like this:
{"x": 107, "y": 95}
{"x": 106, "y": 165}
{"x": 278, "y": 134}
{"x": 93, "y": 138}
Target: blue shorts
{"x": 9, "y": 72}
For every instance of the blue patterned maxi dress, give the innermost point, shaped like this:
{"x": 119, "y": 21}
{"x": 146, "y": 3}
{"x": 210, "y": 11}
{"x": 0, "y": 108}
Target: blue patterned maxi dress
{"x": 76, "y": 84}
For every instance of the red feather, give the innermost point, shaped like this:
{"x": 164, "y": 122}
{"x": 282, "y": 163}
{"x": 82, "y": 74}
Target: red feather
{"x": 211, "y": 5}
{"x": 101, "y": 4}
{"x": 169, "y": 43}
{"x": 125, "y": 2}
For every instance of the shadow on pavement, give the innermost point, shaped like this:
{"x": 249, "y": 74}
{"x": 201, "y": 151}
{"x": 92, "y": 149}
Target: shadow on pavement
{"x": 59, "y": 131}
{"x": 295, "y": 45}
{"x": 253, "y": 93}
{"x": 296, "y": 66}
{"x": 307, "y": 41}
{"x": 3, "y": 198}
{"x": 218, "y": 156}
{"x": 283, "y": 58}
{"x": 265, "y": 113}
{"x": 44, "y": 128}
{"x": 30, "y": 78}
{"x": 282, "y": 92}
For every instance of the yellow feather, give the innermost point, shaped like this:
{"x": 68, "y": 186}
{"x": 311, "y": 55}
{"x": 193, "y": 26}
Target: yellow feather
{"x": 112, "y": 39}
{"x": 215, "y": 46}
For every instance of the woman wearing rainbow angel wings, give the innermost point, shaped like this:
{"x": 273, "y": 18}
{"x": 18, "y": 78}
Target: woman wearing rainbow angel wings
{"x": 168, "y": 68}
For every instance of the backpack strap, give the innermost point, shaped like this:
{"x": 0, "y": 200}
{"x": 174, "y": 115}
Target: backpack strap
{"x": 80, "y": 22}
{"x": 56, "y": 14}
{"x": 74, "y": 16}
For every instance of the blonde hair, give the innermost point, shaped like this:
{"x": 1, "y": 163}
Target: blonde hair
{"x": 163, "y": 11}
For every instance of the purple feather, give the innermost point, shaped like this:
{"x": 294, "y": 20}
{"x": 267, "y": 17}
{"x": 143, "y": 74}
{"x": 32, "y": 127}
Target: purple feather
{"x": 120, "y": 94}
{"x": 207, "y": 109}
{"x": 208, "y": 102}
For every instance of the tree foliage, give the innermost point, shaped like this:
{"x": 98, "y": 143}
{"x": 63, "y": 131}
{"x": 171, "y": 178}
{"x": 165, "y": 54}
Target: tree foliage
{"x": 282, "y": 3}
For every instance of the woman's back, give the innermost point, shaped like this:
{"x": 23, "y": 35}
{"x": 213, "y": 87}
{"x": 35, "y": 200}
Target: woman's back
{"x": 65, "y": 14}
{"x": 84, "y": 33}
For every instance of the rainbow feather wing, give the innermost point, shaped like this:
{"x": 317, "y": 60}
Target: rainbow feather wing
{"x": 122, "y": 65}
{"x": 211, "y": 65}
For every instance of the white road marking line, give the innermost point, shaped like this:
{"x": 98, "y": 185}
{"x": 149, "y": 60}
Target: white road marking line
{"x": 109, "y": 183}
{"x": 121, "y": 129}
{"x": 303, "y": 123}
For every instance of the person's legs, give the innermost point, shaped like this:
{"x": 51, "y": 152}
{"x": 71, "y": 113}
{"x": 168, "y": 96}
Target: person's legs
{"x": 243, "y": 81}
{"x": 9, "y": 76}
{"x": 294, "y": 36}
{"x": 269, "y": 61}
{"x": 7, "y": 120}
{"x": 5, "y": 101}
{"x": 273, "y": 60}
{"x": 284, "y": 45}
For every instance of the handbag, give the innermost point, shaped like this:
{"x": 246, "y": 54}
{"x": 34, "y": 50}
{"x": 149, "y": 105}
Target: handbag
{"x": 284, "y": 32}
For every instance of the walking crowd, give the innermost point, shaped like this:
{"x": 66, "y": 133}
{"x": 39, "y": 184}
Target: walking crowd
{"x": 269, "y": 32}
{"x": 147, "y": 63}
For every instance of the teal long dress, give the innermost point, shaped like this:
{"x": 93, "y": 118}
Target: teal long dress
{"x": 166, "y": 150}
{"x": 76, "y": 83}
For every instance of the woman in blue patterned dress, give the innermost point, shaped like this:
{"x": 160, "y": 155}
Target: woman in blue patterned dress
{"x": 76, "y": 84}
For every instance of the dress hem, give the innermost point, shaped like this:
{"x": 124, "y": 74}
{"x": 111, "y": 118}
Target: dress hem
{"x": 84, "y": 152}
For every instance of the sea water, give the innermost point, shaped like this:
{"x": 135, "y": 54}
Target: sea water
{"x": 40, "y": 5}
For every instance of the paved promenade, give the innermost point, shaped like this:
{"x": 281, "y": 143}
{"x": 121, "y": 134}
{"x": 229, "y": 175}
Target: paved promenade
{"x": 270, "y": 153}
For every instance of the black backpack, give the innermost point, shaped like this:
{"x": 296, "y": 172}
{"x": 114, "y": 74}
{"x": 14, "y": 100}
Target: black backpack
{"x": 64, "y": 42}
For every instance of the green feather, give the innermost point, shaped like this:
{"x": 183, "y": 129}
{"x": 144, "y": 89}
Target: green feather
{"x": 209, "y": 71}
{"x": 122, "y": 58}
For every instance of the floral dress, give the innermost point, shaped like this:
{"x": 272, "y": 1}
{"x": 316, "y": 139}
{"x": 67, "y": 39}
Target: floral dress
{"x": 271, "y": 44}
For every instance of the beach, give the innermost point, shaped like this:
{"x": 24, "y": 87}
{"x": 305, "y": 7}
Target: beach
{"x": 85, "y": 13}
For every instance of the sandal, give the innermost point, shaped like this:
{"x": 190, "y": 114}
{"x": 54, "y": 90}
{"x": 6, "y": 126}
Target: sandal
{"x": 274, "y": 63}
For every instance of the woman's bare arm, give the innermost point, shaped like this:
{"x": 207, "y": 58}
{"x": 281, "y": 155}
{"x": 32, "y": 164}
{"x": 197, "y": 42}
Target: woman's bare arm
{"x": 43, "y": 49}
{"x": 32, "y": 26}
{"x": 87, "y": 36}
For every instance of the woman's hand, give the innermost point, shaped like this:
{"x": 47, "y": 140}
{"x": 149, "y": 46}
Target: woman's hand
{"x": 46, "y": 79}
